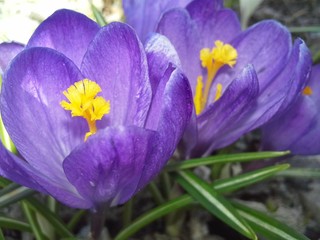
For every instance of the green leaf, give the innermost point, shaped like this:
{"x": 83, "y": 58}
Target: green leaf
{"x": 1, "y": 235}
{"x": 184, "y": 201}
{"x": 75, "y": 219}
{"x": 11, "y": 223}
{"x": 32, "y": 221}
{"x": 227, "y": 158}
{"x": 301, "y": 172}
{"x": 304, "y": 29}
{"x": 14, "y": 193}
{"x": 214, "y": 202}
{"x": 267, "y": 226}
{"x": 98, "y": 15}
{"x": 52, "y": 218}
{"x": 154, "y": 214}
{"x": 246, "y": 179}
{"x": 247, "y": 8}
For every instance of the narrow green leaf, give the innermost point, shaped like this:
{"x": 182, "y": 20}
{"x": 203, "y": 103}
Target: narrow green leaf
{"x": 246, "y": 179}
{"x": 184, "y": 201}
{"x": 301, "y": 172}
{"x": 32, "y": 221}
{"x": 4, "y": 182}
{"x": 98, "y": 15}
{"x": 13, "y": 194}
{"x": 154, "y": 214}
{"x": 52, "y": 218}
{"x": 9, "y": 188}
{"x": 316, "y": 57}
{"x": 1, "y": 235}
{"x": 214, "y": 202}
{"x": 266, "y": 225}
{"x": 304, "y": 29}
{"x": 11, "y": 223}
{"x": 75, "y": 219}
{"x": 227, "y": 158}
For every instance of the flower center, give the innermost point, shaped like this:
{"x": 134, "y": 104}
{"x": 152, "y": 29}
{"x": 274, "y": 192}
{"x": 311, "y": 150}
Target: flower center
{"x": 307, "y": 91}
{"x": 84, "y": 102}
{"x": 220, "y": 55}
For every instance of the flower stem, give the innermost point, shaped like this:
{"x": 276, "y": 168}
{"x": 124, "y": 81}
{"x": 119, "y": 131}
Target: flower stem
{"x": 97, "y": 221}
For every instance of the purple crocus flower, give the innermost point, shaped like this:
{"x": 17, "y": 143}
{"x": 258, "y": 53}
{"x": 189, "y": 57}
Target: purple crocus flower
{"x": 143, "y": 15}
{"x": 298, "y": 128}
{"x": 93, "y": 113}
{"x": 240, "y": 79}
{"x": 7, "y": 52}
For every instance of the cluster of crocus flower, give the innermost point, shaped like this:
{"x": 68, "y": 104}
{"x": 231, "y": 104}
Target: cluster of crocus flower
{"x": 93, "y": 113}
{"x": 240, "y": 79}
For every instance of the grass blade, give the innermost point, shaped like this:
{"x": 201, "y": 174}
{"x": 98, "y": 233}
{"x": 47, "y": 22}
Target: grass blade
{"x": 246, "y": 179}
{"x": 98, "y": 15}
{"x": 267, "y": 226}
{"x": 32, "y": 221}
{"x": 228, "y": 158}
{"x": 52, "y": 218}
{"x": 13, "y": 194}
{"x": 184, "y": 201}
{"x": 301, "y": 172}
{"x": 304, "y": 29}
{"x": 10, "y": 223}
{"x": 214, "y": 202}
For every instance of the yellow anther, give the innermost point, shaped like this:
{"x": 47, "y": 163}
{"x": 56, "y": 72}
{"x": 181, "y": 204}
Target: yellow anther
{"x": 198, "y": 99}
{"x": 84, "y": 102}
{"x": 307, "y": 91}
{"x": 218, "y": 92}
{"x": 222, "y": 54}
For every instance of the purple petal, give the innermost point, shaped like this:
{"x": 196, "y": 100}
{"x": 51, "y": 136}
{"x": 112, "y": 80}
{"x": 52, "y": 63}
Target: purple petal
{"x": 7, "y": 52}
{"x": 170, "y": 120}
{"x": 213, "y": 21}
{"x": 117, "y": 62}
{"x": 143, "y": 15}
{"x": 298, "y": 128}
{"x": 160, "y": 54}
{"x": 190, "y": 35}
{"x": 295, "y": 75}
{"x": 108, "y": 167}
{"x": 267, "y": 46}
{"x": 21, "y": 172}
{"x": 67, "y": 32}
{"x": 43, "y": 132}
{"x": 215, "y": 125}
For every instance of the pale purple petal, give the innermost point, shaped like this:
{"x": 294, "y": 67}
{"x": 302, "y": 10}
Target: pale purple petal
{"x": 117, "y": 62}
{"x": 66, "y": 31}
{"x": 21, "y": 172}
{"x": 190, "y": 35}
{"x": 143, "y": 15}
{"x": 43, "y": 132}
{"x": 267, "y": 46}
{"x": 170, "y": 120}
{"x": 7, "y": 52}
{"x": 160, "y": 53}
{"x": 215, "y": 125}
{"x": 297, "y": 129}
{"x": 213, "y": 21}
{"x": 108, "y": 167}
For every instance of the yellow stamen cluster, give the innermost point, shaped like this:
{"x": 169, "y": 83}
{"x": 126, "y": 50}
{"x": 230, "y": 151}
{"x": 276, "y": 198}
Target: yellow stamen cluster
{"x": 220, "y": 55}
{"x": 307, "y": 91}
{"x": 84, "y": 102}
